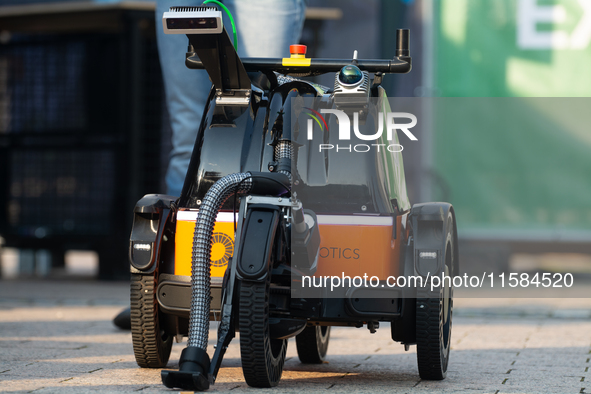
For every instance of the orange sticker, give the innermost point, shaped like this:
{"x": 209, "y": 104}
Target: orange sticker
{"x": 222, "y": 248}
{"x": 353, "y": 245}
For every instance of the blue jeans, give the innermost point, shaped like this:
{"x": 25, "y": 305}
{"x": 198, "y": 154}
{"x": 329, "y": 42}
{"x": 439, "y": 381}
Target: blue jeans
{"x": 265, "y": 28}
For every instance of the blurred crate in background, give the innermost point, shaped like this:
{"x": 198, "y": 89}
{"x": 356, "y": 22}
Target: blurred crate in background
{"x": 81, "y": 107}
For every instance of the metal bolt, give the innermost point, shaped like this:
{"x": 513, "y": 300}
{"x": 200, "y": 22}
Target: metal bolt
{"x": 271, "y": 168}
{"x": 249, "y": 198}
{"x": 363, "y": 208}
{"x": 279, "y": 199}
{"x": 198, "y": 202}
{"x": 296, "y": 182}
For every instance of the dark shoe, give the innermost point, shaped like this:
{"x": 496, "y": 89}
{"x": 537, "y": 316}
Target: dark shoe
{"x": 123, "y": 319}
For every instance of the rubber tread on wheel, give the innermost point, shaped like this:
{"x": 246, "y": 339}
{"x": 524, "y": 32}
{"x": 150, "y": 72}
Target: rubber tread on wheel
{"x": 262, "y": 357}
{"x": 434, "y": 310}
{"x": 431, "y": 365}
{"x": 150, "y": 345}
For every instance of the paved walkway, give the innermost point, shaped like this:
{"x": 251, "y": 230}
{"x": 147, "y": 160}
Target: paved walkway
{"x": 57, "y": 336}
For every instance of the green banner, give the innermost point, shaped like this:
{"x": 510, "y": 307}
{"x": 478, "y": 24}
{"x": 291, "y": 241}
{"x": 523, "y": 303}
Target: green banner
{"x": 533, "y": 48}
{"x": 517, "y": 167}
{"x": 515, "y": 164}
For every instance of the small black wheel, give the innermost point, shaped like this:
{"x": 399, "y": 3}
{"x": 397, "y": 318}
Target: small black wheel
{"x": 151, "y": 345}
{"x": 312, "y": 344}
{"x": 262, "y": 356}
{"x": 434, "y": 317}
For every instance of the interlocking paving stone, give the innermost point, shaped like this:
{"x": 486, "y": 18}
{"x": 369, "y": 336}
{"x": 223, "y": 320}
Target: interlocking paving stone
{"x": 58, "y": 337}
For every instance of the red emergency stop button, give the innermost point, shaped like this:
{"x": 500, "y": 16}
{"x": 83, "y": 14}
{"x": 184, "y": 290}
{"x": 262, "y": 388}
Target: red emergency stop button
{"x": 297, "y": 51}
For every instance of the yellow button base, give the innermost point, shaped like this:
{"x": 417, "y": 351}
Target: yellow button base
{"x": 301, "y": 62}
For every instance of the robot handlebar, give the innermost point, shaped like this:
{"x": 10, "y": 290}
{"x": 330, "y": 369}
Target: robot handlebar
{"x": 398, "y": 65}
{"x": 204, "y": 27}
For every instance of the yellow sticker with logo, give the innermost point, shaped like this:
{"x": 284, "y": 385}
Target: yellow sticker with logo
{"x": 221, "y": 249}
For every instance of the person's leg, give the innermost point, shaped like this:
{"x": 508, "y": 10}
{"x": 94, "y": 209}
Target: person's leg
{"x": 266, "y": 28}
{"x": 186, "y": 94}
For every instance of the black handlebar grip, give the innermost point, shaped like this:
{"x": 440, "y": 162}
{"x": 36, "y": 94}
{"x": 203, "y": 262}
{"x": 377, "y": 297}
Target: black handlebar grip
{"x": 403, "y": 42}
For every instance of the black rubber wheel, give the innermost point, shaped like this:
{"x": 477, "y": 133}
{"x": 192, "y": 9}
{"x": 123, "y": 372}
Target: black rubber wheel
{"x": 262, "y": 357}
{"x": 434, "y": 317}
{"x": 151, "y": 345}
{"x": 312, "y": 344}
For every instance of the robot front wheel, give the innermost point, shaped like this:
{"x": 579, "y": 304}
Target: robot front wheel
{"x": 151, "y": 344}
